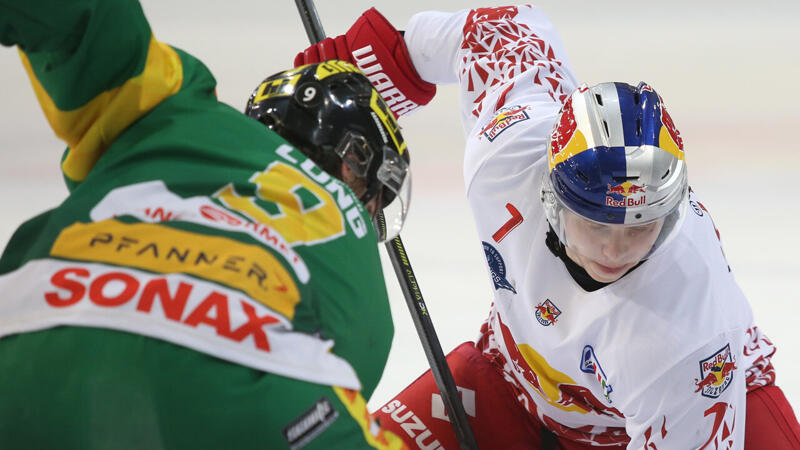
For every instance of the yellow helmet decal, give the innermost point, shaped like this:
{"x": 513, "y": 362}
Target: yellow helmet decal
{"x": 575, "y": 145}
{"x": 387, "y": 118}
{"x": 334, "y": 67}
{"x": 668, "y": 144}
{"x": 277, "y": 87}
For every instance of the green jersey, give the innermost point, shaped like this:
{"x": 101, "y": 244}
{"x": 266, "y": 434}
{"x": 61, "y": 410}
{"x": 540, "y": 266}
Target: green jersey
{"x": 189, "y": 227}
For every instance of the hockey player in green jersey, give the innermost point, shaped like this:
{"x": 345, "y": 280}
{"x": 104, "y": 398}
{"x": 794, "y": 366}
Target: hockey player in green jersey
{"x": 206, "y": 284}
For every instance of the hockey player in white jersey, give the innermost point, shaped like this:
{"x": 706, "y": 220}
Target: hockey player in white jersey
{"x": 616, "y": 320}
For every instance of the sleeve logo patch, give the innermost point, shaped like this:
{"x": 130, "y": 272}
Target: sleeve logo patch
{"x": 503, "y": 120}
{"x": 716, "y": 373}
{"x": 310, "y": 424}
{"x": 498, "y": 268}
{"x": 590, "y": 364}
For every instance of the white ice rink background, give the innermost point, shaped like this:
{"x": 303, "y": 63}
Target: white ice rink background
{"x": 728, "y": 72}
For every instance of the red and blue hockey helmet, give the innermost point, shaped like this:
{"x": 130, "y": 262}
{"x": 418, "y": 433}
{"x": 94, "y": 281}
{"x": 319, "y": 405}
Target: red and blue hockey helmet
{"x": 616, "y": 158}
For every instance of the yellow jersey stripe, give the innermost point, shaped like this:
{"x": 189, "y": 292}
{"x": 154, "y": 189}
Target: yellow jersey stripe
{"x": 90, "y": 129}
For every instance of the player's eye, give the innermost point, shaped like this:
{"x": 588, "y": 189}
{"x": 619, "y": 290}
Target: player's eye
{"x": 597, "y": 227}
{"x": 641, "y": 230}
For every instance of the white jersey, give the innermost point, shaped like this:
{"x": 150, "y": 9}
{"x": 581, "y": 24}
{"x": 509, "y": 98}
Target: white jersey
{"x": 661, "y": 358}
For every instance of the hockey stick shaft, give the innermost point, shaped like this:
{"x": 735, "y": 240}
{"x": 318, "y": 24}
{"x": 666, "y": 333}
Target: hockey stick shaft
{"x": 310, "y": 18}
{"x": 430, "y": 343}
{"x": 411, "y": 292}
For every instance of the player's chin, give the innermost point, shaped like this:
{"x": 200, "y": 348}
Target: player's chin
{"x": 607, "y": 273}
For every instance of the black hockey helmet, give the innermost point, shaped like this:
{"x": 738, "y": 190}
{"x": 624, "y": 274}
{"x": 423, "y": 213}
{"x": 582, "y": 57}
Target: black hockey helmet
{"x": 331, "y": 112}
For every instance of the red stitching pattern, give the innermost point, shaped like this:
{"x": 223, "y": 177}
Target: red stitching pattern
{"x": 760, "y": 373}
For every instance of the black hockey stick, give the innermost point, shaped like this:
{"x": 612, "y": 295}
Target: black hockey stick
{"x": 310, "y": 18}
{"x": 411, "y": 292}
{"x": 430, "y": 343}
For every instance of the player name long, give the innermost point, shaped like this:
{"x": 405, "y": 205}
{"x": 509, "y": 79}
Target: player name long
{"x": 366, "y": 60}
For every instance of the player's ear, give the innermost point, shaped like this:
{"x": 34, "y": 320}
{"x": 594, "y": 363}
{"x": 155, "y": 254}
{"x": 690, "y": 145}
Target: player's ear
{"x": 347, "y": 173}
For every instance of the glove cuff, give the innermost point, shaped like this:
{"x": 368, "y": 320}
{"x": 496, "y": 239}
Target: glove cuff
{"x": 380, "y": 51}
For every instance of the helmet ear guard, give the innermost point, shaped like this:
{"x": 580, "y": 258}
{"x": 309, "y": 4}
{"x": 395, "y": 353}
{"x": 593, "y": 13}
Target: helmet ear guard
{"x": 331, "y": 112}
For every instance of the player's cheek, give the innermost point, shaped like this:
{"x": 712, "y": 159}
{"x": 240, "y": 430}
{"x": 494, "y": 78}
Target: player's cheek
{"x": 589, "y": 247}
{"x": 643, "y": 244}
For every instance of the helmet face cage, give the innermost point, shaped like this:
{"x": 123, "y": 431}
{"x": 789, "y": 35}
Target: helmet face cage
{"x": 331, "y": 112}
{"x": 616, "y": 158}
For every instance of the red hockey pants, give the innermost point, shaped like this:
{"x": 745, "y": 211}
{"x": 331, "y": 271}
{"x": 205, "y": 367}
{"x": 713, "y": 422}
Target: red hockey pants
{"x": 499, "y": 421}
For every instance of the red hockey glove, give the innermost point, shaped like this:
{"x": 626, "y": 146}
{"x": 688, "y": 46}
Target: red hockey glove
{"x": 378, "y": 49}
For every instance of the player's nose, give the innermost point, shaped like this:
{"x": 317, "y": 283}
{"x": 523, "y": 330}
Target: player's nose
{"x": 615, "y": 246}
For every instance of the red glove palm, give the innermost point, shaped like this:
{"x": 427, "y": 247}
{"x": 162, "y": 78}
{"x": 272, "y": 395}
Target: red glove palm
{"x": 378, "y": 49}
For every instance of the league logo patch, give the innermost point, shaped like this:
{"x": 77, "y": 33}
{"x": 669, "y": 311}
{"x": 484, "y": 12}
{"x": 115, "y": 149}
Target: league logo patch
{"x": 498, "y": 268}
{"x": 547, "y": 312}
{"x": 505, "y": 117}
{"x": 590, "y": 364}
{"x": 310, "y": 424}
{"x": 716, "y": 373}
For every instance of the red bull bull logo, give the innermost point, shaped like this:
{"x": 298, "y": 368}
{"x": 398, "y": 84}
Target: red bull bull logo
{"x": 547, "y": 312}
{"x": 545, "y": 384}
{"x": 632, "y": 195}
{"x": 626, "y": 189}
{"x": 716, "y": 373}
{"x": 505, "y": 118}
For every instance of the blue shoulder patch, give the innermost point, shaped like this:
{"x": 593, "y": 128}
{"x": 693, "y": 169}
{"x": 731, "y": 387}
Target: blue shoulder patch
{"x": 498, "y": 268}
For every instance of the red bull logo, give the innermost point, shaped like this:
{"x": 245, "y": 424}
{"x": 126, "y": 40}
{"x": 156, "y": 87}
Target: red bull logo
{"x": 506, "y": 117}
{"x": 547, "y": 313}
{"x": 626, "y": 190}
{"x": 545, "y": 384}
{"x": 716, "y": 373}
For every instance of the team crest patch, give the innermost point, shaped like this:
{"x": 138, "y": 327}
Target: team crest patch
{"x": 547, "y": 312}
{"x": 310, "y": 424}
{"x": 716, "y": 373}
{"x": 498, "y": 268}
{"x": 590, "y": 364}
{"x": 503, "y": 120}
